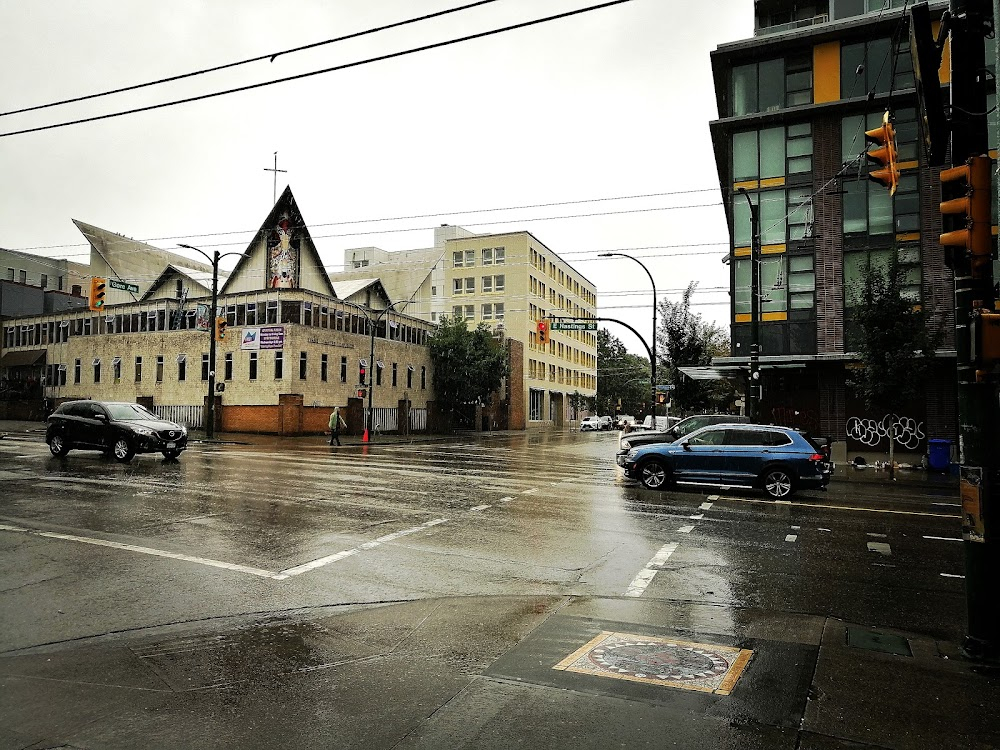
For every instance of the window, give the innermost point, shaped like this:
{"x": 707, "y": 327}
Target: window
{"x": 456, "y": 259}
{"x": 772, "y": 152}
{"x": 138, "y": 369}
{"x": 44, "y": 282}
{"x": 253, "y": 365}
{"x": 470, "y": 257}
{"x": 10, "y": 274}
{"x": 343, "y": 369}
{"x": 323, "y": 367}
{"x": 470, "y": 285}
{"x": 487, "y": 284}
{"x": 181, "y": 368}
{"x": 303, "y": 369}
{"x": 22, "y": 276}
{"x": 499, "y": 256}
{"x": 798, "y": 80}
{"x": 204, "y": 367}
{"x": 867, "y": 207}
{"x": 801, "y": 282}
{"x": 97, "y": 369}
{"x": 159, "y": 369}
{"x": 800, "y": 213}
{"x": 799, "y": 148}
{"x": 535, "y": 401}
{"x": 395, "y": 368}
{"x": 279, "y": 365}
{"x": 487, "y": 256}
{"x": 229, "y": 366}
{"x": 787, "y": 282}
{"x": 378, "y": 372}
{"x": 498, "y": 283}
{"x": 409, "y": 376}
{"x": 857, "y": 262}
{"x": 423, "y": 378}
{"x": 772, "y": 218}
{"x": 761, "y": 87}
{"x": 470, "y": 312}
{"x": 456, "y": 286}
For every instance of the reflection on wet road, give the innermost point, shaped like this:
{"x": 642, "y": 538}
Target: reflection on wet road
{"x": 285, "y": 524}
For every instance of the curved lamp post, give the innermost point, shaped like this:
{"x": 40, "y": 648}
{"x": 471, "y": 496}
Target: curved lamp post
{"x": 214, "y": 260}
{"x": 652, "y": 403}
{"x": 753, "y": 390}
{"x": 372, "y": 329}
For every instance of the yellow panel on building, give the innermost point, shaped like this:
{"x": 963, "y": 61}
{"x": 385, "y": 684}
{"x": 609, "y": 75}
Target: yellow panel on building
{"x": 826, "y": 72}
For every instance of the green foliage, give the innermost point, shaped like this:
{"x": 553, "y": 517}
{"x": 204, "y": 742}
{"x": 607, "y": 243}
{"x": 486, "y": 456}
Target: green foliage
{"x": 621, "y": 375}
{"x": 894, "y": 341}
{"x": 469, "y": 365}
{"x": 684, "y": 339}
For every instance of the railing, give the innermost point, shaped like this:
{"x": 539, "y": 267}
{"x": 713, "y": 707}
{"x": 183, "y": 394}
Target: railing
{"x": 191, "y": 417}
{"x": 418, "y": 420}
{"x": 779, "y": 28}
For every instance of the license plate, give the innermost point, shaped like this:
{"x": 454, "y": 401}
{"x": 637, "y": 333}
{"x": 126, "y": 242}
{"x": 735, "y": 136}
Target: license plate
{"x": 171, "y": 445}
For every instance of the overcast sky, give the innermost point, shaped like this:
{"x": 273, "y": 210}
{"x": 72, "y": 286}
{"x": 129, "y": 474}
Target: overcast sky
{"x": 585, "y": 112}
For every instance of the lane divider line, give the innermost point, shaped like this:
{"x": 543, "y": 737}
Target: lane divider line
{"x": 506, "y": 499}
{"x": 299, "y": 569}
{"x": 708, "y": 506}
{"x": 532, "y": 491}
{"x": 646, "y": 575}
{"x": 685, "y": 529}
{"x": 881, "y": 547}
{"x": 951, "y": 575}
{"x": 481, "y": 507}
{"x": 697, "y": 516}
{"x": 945, "y": 538}
{"x": 791, "y": 537}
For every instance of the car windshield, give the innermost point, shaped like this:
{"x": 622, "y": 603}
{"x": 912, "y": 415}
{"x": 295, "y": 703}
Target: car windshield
{"x": 129, "y": 412}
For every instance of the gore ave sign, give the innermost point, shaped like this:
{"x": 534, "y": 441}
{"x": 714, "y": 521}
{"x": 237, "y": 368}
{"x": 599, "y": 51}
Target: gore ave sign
{"x": 123, "y": 286}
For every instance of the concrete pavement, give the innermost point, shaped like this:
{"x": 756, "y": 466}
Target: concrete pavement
{"x": 499, "y": 672}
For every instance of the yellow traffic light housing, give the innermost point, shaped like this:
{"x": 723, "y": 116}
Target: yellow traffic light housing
{"x": 543, "y": 332}
{"x": 220, "y": 328}
{"x": 885, "y": 155}
{"x": 95, "y": 300}
{"x": 966, "y": 190}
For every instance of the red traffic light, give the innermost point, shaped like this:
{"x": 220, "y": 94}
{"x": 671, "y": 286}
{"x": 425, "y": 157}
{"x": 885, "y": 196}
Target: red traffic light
{"x": 543, "y": 332}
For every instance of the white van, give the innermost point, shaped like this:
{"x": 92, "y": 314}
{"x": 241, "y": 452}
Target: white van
{"x": 662, "y": 423}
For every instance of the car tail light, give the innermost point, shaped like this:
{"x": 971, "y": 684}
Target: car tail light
{"x": 817, "y": 457}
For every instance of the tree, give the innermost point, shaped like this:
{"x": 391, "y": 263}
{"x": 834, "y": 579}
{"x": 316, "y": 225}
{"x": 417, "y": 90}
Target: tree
{"x": 895, "y": 342}
{"x": 469, "y": 365}
{"x": 622, "y": 377}
{"x": 684, "y": 339}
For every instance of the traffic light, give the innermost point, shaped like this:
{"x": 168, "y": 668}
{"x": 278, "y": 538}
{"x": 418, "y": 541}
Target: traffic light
{"x": 362, "y": 372}
{"x": 543, "y": 332}
{"x": 966, "y": 193}
{"x": 884, "y": 136}
{"x": 220, "y": 328}
{"x": 97, "y": 291}
{"x": 661, "y": 398}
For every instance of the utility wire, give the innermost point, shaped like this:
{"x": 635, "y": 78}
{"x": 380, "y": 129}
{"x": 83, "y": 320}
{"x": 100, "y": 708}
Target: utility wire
{"x": 270, "y": 56}
{"x": 345, "y": 66}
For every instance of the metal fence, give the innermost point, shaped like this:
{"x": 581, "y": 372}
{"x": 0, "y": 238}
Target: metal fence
{"x": 418, "y": 420}
{"x": 191, "y": 417}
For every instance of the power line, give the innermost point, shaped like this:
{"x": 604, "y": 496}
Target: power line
{"x": 226, "y": 66}
{"x": 300, "y": 76}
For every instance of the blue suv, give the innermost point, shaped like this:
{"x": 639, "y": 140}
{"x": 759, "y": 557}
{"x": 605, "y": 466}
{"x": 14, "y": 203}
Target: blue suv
{"x": 777, "y": 460}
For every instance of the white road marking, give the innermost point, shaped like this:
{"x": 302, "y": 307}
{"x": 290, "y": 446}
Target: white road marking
{"x": 949, "y": 505}
{"x": 791, "y": 537}
{"x": 685, "y": 529}
{"x": 145, "y": 551}
{"x": 782, "y": 502}
{"x": 822, "y": 529}
{"x": 481, "y": 507}
{"x": 877, "y": 536}
{"x": 945, "y": 538}
{"x": 707, "y": 506}
{"x": 796, "y": 528}
{"x": 506, "y": 499}
{"x": 881, "y": 547}
{"x": 712, "y": 498}
{"x": 646, "y": 575}
{"x": 532, "y": 491}
{"x": 951, "y": 575}
{"x": 298, "y": 569}
{"x": 697, "y": 516}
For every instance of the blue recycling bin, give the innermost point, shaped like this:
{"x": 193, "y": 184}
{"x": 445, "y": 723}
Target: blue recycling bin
{"x": 938, "y": 454}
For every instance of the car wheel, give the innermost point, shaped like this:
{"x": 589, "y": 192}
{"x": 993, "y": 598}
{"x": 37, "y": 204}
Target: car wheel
{"x": 123, "y": 450}
{"x": 171, "y": 454}
{"x": 654, "y": 475}
{"x": 778, "y": 483}
{"x": 58, "y": 446}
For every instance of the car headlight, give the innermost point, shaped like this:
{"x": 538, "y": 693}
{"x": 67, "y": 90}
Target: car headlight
{"x": 143, "y": 431}
{"x": 626, "y": 445}
{"x": 184, "y": 430}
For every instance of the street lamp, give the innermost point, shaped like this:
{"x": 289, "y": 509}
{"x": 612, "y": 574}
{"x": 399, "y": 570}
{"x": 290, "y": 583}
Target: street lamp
{"x": 372, "y": 328}
{"x": 753, "y": 392}
{"x": 214, "y": 260}
{"x": 652, "y": 403}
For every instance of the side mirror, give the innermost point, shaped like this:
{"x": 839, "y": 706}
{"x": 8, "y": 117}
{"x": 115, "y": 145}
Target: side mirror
{"x": 101, "y": 417}
{"x": 686, "y": 445}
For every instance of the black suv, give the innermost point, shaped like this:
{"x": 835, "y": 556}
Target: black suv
{"x": 118, "y": 429}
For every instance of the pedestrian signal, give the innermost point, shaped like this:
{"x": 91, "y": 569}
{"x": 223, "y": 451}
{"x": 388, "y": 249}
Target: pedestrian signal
{"x": 543, "y": 332}
{"x": 95, "y": 300}
{"x": 884, "y": 137}
{"x": 220, "y": 328}
{"x": 362, "y": 372}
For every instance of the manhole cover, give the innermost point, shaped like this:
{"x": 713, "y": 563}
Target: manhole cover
{"x": 660, "y": 661}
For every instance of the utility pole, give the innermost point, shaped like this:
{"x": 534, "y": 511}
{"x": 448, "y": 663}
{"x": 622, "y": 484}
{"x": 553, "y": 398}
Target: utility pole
{"x": 978, "y": 408}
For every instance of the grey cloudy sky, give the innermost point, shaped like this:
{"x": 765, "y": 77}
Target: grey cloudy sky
{"x": 605, "y": 105}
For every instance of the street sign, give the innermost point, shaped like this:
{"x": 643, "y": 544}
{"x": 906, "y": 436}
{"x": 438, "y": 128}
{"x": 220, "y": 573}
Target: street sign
{"x": 123, "y": 286}
{"x": 667, "y": 387}
{"x": 566, "y": 325}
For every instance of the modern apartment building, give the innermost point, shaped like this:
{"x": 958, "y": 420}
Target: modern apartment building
{"x": 509, "y": 281}
{"x": 794, "y": 103}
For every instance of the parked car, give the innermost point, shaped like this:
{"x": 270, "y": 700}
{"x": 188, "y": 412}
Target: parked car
{"x": 624, "y": 421}
{"x": 678, "y": 429}
{"x": 114, "y": 428}
{"x": 607, "y": 423}
{"x": 777, "y": 460}
{"x": 590, "y": 423}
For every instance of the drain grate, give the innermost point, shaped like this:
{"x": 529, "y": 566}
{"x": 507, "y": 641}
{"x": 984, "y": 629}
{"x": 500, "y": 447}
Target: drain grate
{"x": 873, "y": 641}
{"x": 660, "y": 661}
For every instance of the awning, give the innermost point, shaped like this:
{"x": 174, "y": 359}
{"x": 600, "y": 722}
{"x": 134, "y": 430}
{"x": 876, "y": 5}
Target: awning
{"x": 712, "y": 373}
{"x": 19, "y": 359}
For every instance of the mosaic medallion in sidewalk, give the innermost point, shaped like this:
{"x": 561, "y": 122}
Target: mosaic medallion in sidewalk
{"x": 660, "y": 661}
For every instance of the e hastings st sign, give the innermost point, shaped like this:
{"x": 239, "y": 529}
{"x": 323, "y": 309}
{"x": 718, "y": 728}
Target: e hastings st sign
{"x": 574, "y": 325}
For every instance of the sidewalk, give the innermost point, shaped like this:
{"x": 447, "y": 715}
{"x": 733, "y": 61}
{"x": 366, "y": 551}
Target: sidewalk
{"x": 502, "y": 672}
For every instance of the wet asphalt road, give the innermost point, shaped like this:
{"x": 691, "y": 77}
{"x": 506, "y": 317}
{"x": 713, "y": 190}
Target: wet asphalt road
{"x": 251, "y": 533}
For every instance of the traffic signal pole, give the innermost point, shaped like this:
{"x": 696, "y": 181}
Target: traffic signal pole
{"x": 978, "y": 407}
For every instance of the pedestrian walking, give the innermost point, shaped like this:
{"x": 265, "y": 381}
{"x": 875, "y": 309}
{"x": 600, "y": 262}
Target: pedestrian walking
{"x": 336, "y": 421}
